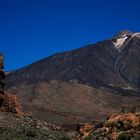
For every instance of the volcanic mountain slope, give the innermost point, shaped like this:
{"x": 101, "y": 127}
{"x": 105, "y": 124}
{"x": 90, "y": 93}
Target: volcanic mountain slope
{"x": 78, "y": 85}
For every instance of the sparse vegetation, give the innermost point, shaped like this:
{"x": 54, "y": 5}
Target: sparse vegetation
{"x": 116, "y": 127}
{"x": 130, "y": 108}
{"x": 123, "y": 136}
{"x": 109, "y": 124}
{"x": 63, "y": 136}
{"x": 17, "y": 127}
{"x": 137, "y": 138}
{"x": 88, "y": 137}
{"x": 137, "y": 128}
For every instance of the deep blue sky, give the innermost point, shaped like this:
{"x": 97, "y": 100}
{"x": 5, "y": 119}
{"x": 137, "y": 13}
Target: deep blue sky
{"x": 34, "y": 29}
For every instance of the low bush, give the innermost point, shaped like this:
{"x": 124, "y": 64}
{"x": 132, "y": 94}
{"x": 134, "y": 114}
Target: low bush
{"x": 88, "y": 137}
{"x": 109, "y": 124}
{"x": 123, "y": 136}
{"x": 137, "y": 138}
{"x": 63, "y": 136}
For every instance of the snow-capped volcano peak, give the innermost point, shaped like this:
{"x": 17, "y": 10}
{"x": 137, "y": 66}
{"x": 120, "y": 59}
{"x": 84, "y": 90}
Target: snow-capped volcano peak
{"x": 121, "y": 38}
{"x": 123, "y": 33}
{"x": 118, "y": 42}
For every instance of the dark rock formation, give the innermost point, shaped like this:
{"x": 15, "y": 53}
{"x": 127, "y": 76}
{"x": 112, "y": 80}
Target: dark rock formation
{"x": 2, "y": 77}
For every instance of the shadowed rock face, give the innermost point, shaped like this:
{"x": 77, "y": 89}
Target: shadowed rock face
{"x": 2, "y": 77}
{"x": 129, "y": 63}
{"x": 85, "y": 83}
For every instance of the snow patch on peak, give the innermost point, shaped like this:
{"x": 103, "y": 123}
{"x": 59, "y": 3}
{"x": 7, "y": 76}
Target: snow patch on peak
{"x": 121, "y": 38}
{"x": 123, "y": 33}
{"x": 120, "y": 41}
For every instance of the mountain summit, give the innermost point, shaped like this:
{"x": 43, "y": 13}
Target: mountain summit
{"x": 84, "y": 83}
{"x": 123, "y": 38}
{"x": 122, "y": 33}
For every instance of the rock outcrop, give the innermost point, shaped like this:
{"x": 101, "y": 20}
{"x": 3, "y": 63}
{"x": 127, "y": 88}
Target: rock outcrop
{"x": 8, "y": 102}
{"x": 2, "y": 78}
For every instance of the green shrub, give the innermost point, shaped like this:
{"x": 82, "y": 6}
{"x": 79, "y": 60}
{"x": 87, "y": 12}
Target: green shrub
{"x": 124, "y": 126}
{"x": 123, "y": 136}
{"x": 88, "y": 137}
{"x": 31, "y": 133}
{"x": 63, "y": 136}
{"x": 89, "y": 130}
{"x": 109, "y": 124}
{"x": 99, "y": 124}
{"x": 137, "y": 128}
{"x": 137, "y": 138}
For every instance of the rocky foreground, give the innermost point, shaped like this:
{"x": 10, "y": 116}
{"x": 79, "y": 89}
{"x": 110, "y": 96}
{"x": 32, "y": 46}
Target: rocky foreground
{"x": 24, "y": 127}
{"x": 116, "y": 127}
{"x": 16, "y": 124}
{"x": 17, "y": 127}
